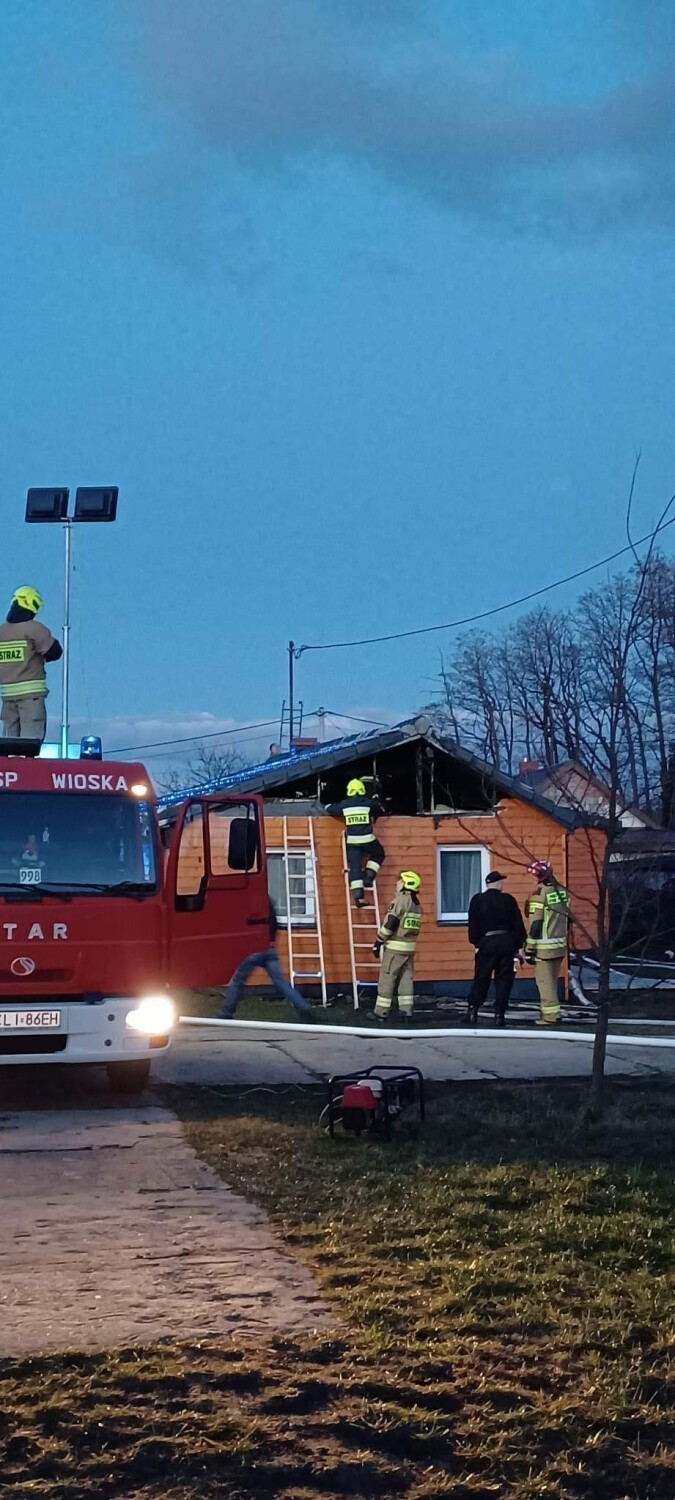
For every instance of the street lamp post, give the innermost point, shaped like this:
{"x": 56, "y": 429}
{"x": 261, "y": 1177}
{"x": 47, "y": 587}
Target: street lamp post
{"x": 45, "y": 505}
{"x": 65, "y": 664}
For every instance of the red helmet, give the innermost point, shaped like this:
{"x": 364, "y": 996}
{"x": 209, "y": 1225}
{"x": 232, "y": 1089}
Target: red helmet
{"x": 539, "y": 867}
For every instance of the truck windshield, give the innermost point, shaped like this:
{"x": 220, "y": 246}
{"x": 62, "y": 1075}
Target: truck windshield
{"x": 62, "y": 840}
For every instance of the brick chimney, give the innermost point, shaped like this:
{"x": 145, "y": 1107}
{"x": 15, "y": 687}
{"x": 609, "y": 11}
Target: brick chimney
{"x": 527, "y": 767}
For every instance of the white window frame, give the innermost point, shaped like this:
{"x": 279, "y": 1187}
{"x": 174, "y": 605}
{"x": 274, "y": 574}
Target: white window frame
{"x": 308, "y": 919}
{"x": 458, "y": 918}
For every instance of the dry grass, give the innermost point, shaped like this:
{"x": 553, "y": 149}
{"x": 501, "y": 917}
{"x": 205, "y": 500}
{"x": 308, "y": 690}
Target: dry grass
{"x": 504, "y": 1289}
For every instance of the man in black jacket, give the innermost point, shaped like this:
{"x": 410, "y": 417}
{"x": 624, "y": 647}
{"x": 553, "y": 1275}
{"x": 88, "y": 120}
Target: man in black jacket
{"x": 497, "y": 931}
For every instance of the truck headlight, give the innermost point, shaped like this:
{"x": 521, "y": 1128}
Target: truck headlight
{"x": 153, "y": 1016}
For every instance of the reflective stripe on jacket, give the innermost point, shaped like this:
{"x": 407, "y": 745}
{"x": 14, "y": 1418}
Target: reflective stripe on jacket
{"x": 24, "y": 689}
{"x": 359, "y": 814}
{"x": 548, "y": 912}
{"x": 23, "y": 647}
{"x": 401, "y": 924}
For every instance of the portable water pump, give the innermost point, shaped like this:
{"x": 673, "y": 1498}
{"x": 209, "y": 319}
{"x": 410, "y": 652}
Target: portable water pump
{"x": 369, "y": 1102}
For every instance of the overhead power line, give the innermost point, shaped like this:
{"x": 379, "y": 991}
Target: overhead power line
{"x": 215, "y": 749}
{"x": 486, "y": 614}
{"x": 334, "y": 713}
{"x": 192, "y": 739}
{"x": 242, "y": 729}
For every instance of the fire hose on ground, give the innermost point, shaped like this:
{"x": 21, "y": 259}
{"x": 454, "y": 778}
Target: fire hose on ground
{"x": 384, "y": 1034}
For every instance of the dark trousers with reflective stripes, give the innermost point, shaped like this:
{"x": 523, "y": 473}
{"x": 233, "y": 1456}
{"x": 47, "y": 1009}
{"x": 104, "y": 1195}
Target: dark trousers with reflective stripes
{"x": 372, "y": 854}
{"x": 494, "y": 960}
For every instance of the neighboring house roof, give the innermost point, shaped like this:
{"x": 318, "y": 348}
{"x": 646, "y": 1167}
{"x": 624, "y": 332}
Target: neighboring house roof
{"x": 296, "y": 766}
{"x": 645, "y": 843}
{"x": 570, "y": 779}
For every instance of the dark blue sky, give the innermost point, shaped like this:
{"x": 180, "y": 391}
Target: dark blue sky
{"x": 364, "y": 304}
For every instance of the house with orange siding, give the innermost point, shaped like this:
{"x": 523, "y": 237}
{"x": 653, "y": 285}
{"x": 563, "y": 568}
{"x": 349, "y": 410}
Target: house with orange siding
{"x": 448, "y": 815}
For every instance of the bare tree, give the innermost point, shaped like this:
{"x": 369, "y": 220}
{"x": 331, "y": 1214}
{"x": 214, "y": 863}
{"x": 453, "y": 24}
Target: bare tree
{"x": 202, "y": 767}
{"x": 557, "y": 686}
{"x": 595, "y": 685}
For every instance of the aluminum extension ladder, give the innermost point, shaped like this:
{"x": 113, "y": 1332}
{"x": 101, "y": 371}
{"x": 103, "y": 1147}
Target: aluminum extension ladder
{"x": 304, "y": 962}
{"x": 363, "y": 925}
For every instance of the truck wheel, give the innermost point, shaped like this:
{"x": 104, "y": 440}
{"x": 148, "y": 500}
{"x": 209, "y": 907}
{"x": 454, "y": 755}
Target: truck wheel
{"x": 128, "y": 1077}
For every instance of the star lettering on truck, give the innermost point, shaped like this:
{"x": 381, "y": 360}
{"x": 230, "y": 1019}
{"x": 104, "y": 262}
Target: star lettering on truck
{"x": 59, "y": 932}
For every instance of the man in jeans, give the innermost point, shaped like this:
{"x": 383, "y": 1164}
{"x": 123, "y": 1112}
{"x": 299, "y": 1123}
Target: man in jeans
{"x": 269, "y": 961}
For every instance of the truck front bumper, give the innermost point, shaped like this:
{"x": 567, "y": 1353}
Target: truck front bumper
{"x": 86, "y": 1033}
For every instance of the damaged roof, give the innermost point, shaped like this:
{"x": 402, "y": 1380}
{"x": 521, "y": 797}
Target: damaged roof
{"x": 284, "y": 771}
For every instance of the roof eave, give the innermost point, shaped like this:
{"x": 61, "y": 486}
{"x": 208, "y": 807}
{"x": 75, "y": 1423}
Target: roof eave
{"x": 326, "y": 757}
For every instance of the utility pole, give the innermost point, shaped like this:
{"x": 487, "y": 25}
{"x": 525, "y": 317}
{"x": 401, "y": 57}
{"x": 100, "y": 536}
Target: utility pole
{"x": 65, "y": 669}
{"x": 291, "y": 705}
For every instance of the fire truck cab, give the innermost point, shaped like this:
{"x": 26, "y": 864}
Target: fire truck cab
{"x": 104, "y": 920}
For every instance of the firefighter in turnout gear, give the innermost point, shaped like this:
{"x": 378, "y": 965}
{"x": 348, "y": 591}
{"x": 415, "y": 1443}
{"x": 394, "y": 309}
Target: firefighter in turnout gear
{"x": 359, "y": 813}
{"x": 25, "y": 646}
{"x": 396, "y": 942}
{"x": 549, "y": 917}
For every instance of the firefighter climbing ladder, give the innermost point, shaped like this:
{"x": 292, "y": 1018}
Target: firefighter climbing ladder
{"x": 362, "y": 926}
{"x": 305, "y": 944}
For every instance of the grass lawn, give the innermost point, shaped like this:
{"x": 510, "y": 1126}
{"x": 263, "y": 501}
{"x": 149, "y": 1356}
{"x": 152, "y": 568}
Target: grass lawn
{"x": 504, "y": 1292}
{"x": 339, "y": 1012}
{"x": 255, "y": 1006}
{"x": 258, "y": 1007}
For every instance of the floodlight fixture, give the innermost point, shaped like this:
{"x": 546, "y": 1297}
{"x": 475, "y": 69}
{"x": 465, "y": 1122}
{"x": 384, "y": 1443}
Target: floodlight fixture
{"x": 96, "y": 504}
{"x": 47, "y": 505}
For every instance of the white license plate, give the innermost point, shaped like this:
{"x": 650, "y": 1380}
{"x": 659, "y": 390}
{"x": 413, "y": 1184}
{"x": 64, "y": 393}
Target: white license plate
{"x": 30, "y": 1020}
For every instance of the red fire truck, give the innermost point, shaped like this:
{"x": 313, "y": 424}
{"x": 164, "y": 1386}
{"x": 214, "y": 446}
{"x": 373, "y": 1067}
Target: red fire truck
{"x": 104, "y": 919}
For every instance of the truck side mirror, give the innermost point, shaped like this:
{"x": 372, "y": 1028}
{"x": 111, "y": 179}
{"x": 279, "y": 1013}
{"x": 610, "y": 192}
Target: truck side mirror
{"x": 243, "y": 852}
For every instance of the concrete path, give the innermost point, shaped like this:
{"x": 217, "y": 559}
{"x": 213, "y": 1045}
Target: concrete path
{"x": 243, "y": 1057}
{"x": 113, "y": 1233}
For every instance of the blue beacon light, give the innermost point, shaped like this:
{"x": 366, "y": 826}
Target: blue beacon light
{"x": 91, "y": 748}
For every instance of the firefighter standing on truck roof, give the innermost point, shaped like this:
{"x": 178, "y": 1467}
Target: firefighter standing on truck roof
{"x": 396, "y": 941}
{"x": 359, "y": 813}
{"x": 548, "y": 913}
{"x": 25, "y": 646}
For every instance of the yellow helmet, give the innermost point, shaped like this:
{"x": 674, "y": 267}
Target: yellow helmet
{"x": 28, "y": 598}
{"x": 356, "y": 788}
{"x": 409, "y": 880}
